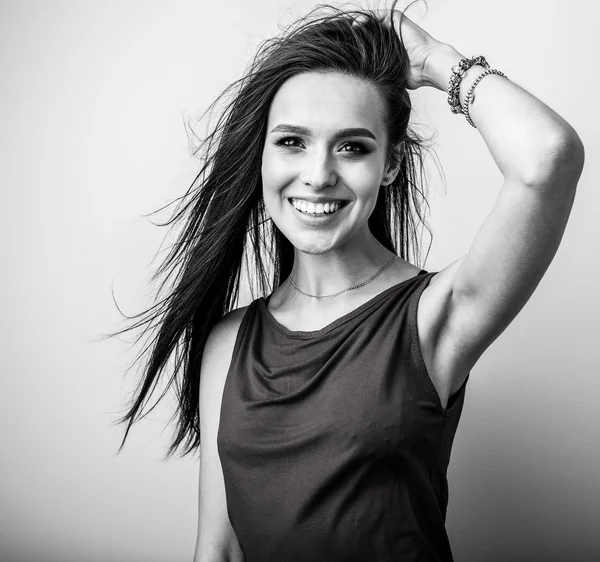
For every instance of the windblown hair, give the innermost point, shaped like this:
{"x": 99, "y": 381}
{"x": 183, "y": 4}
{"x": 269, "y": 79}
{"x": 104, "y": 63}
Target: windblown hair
{"x": 223, "y": 217}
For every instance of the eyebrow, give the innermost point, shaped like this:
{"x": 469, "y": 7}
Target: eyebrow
{"x": 350, "y": 132}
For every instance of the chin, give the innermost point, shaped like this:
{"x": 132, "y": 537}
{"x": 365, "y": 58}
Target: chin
{"x": 313, "y": 251}
{"x": 315, "y": 243}
{"x": 315, "y": 248}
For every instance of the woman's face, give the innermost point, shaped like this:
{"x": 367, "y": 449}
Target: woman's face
{"x": 324, "y": 159}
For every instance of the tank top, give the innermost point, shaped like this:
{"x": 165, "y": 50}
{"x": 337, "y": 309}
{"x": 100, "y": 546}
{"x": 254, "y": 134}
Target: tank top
{"x": 334, "y": 443}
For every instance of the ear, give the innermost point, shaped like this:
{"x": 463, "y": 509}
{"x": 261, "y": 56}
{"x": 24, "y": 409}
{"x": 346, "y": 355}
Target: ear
{"x": 393, "y": 166}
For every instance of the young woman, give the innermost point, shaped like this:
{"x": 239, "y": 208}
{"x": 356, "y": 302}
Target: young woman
{"x": 325, "y": 411}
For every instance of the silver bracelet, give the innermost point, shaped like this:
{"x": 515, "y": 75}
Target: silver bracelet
{"x": 458, "y": 73}
{"x": 469, "y": 96}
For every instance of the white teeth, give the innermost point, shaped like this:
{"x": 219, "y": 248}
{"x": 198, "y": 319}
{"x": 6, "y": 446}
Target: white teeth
{"x": 315, "y": 208}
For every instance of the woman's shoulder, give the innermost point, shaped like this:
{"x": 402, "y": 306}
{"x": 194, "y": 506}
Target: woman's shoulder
{"x": 227, "y": 327}
{"x": 221, "y": 340}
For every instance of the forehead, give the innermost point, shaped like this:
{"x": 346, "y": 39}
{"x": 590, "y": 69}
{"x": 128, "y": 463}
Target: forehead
{"x": 328, "y": 101}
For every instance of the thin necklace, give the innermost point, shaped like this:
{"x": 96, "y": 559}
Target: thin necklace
{"x": 349, "y": 288}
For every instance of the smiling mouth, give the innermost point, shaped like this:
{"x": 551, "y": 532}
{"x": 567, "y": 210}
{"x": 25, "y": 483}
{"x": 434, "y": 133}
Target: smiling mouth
{"x": 317, "y": 209}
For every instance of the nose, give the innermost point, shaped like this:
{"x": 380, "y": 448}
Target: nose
{"x": 319, "y": 171}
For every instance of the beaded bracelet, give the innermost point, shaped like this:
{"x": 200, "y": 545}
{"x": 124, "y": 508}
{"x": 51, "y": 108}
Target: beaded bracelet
{"x": 458, "y": 72}
{"x": 469, "y": 96}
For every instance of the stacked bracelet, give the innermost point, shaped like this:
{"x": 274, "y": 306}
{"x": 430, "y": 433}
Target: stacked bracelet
{"x": 469, "y": 96}
{"x": 458, "y": 72}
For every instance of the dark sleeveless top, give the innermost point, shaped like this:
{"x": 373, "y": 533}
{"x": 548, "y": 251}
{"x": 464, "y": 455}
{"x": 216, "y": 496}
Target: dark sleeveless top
{"x": 334, "y": 443}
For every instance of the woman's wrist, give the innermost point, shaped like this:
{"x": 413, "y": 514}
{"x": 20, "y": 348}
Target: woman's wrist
{"x": 438, "y": 66}
{"x": 438, "y": 70}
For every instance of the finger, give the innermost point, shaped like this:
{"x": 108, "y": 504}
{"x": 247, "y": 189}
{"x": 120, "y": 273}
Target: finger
{"x": 360, "y": 19}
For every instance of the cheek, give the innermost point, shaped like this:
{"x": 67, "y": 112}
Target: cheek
{"x": 366, "y": 180}
{"x": 364, "y": 184}
{"x": 272, "y": 183}
{"x": 275, "y": 173}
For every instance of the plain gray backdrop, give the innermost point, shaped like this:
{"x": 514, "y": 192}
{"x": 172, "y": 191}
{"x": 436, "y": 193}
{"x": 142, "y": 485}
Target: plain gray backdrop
{"x": 93, "y": 96}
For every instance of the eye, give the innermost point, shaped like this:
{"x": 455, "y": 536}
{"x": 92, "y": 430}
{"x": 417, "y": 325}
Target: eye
{"x": 358, "y": 147}
{"x": 287, "y": 142}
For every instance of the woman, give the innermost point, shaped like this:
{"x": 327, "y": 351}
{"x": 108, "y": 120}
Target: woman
{"x": 327, "y": 410}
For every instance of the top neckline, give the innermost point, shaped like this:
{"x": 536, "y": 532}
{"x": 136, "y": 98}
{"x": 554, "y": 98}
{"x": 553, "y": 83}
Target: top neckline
{"x": 262, "y": 305}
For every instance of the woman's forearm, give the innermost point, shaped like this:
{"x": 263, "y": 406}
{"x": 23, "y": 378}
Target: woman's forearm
{"x": 529, "y": 142}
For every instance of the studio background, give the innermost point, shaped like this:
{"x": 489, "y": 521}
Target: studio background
{"x": 93, "y": 100}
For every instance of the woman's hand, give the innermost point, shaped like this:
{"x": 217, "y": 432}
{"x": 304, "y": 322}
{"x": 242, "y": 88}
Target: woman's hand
{"x": 418, "y": 43}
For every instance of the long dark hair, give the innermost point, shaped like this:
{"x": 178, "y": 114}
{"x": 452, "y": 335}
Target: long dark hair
{"x": 223, "y": 216}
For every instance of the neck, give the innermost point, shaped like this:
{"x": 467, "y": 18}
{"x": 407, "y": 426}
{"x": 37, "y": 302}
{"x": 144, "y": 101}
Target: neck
{"x": 338, "y": 269}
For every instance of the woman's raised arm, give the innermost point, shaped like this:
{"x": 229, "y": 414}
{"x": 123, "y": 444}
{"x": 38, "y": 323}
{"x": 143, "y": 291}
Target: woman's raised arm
{"x": 541, "y": 158}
